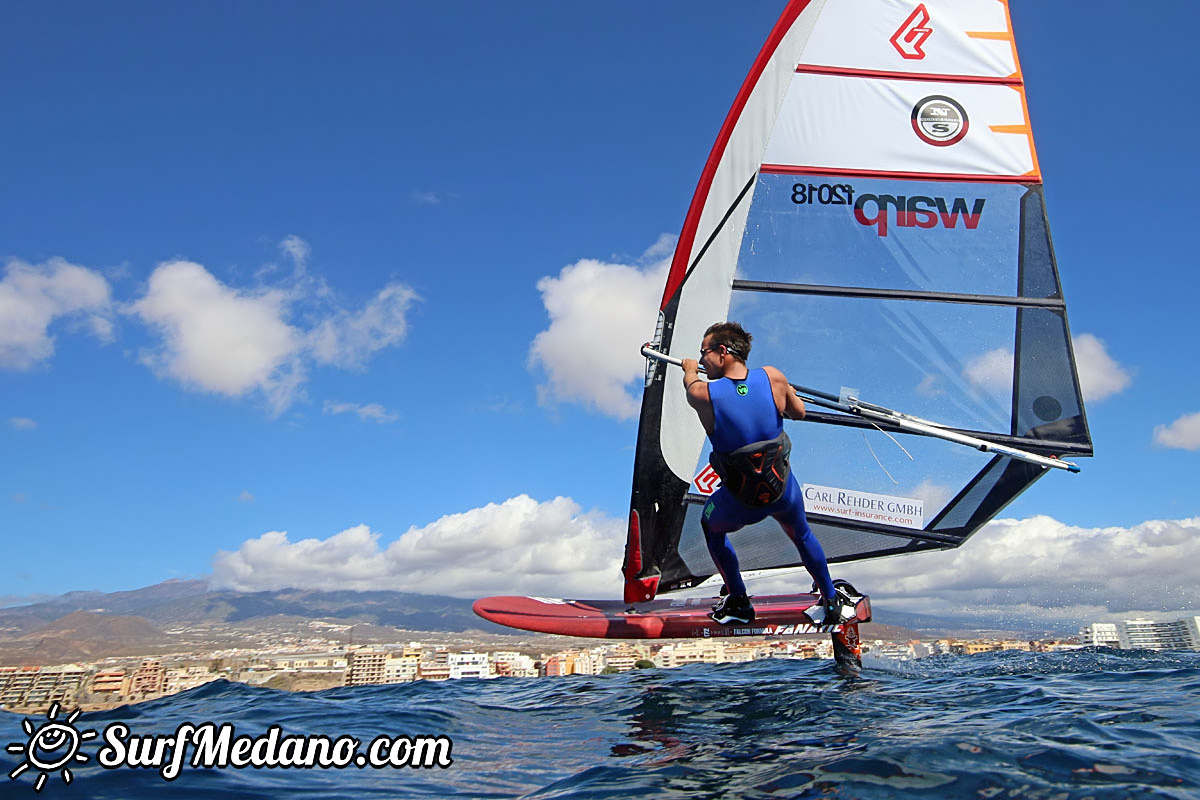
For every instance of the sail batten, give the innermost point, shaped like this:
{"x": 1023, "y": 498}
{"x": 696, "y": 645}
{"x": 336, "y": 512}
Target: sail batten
{"x": 873, "y": 212}
{"x": 781, "y": 287}
{"x": 818, "y": 69}
{"x": 852, "y": 172}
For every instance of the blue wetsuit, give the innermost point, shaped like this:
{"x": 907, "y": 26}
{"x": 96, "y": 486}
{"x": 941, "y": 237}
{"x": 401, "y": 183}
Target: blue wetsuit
{"x": 744, "y": 412}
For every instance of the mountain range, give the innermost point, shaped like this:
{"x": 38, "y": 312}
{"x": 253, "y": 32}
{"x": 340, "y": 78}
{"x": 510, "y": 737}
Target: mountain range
{"x": 177, "y": 616}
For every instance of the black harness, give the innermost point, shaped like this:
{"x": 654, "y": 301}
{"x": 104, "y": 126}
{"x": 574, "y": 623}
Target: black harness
{"x": 757, "y": 473}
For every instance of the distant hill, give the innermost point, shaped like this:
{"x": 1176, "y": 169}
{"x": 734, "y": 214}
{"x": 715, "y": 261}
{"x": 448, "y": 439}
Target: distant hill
{"x": 189, "y": 603}
{"x": 161, "y": 596}
{"x": 88, "y": 624}
{"x": 82, "y": 636}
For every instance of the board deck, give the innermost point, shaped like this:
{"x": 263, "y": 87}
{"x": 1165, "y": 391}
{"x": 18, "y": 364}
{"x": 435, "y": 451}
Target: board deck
{"x": 670, "y": 618}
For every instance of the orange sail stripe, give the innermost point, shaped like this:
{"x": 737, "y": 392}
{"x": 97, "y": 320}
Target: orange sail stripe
{"x": 1013, "y": 44}
{"x": 1037, "y": 169}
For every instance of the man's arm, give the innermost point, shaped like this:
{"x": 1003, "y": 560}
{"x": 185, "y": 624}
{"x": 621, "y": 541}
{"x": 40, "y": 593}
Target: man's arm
{"x": 786, "y": 400}
{"x": 696, "y": 389}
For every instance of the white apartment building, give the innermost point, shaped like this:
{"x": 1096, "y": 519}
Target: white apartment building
{"x": 514, "y": 665}
{"x": 1144, "y": 634}
{"x": 468, "y": 665}
{"x": 310, "y": 662}
{"x": 620, "y": 663}
{"x": 32, "y": 686}
{"x": 1101, "y": 634}
{"x": 704, "y": 651}
{"x": 1150, "y": 635}
{"x": 402, "y": 668}
{"x": 1193, "y": 628}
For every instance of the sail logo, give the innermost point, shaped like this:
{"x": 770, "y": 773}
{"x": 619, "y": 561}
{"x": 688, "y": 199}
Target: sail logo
{"x": 917, "y": 211}
{"x": 912, "y": 33}
{"x": 708, "y": 481}
{"x": 939, "y": 120}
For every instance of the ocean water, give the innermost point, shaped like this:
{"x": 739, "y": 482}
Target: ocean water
{"x": 1083, "y": 724}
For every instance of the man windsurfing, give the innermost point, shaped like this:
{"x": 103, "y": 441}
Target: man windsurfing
{"x": 742, "y": 411}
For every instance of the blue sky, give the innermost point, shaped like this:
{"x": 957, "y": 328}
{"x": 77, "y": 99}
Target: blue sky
{"x": 305, "y": 293}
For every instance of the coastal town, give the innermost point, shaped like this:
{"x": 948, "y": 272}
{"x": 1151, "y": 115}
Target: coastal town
{"x": 319, "y": 662}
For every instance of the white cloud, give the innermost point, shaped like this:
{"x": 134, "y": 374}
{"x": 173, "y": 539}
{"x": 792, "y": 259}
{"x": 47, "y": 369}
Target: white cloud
{"x": 935, "y": 496}
{"x": 1041, "y": 570}
{"x": 221, "y": 339}
{"x": 992, "y": 371}
{"x": 518, "y": 546}
{"x": 347, "y": 560}
{"x": 22, "y": 423}
{"x": 297, "y": 249}
{"x": 370, "y": 412}
{"x": 347, "y": 339}
{"x": 1099, "y": 375}
{"x": 238, "y": 341}
{"x": 930, "y": 386}
{"x": 1035, "y": 571}
{"x": 245, "y": 497}
{"x": 33, "y": 296}
{"x": 1183, "y": 433}
{"x": 430, "y": 198}
{"x": 600, "y": 315}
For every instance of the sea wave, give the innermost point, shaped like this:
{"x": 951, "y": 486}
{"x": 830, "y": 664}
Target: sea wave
{"x": 1093, "y": 723}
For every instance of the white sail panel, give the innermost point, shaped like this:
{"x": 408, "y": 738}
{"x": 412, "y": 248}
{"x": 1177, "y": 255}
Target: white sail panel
{"x": 965, "y": 38}
{"x": 713, "y": 231}
{"x": 850, "y": 123}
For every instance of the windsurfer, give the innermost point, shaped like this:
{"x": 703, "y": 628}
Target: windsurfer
{"x": 742, "y": 411}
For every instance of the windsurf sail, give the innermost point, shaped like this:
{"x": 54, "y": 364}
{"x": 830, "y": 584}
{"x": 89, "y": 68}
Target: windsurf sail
{"x": 872, "y": 211}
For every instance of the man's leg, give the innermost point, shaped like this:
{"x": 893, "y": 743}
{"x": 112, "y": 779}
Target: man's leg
{"x": 795, "y": 524}
{"x": 724, "y": 557}
{"x": 718, "y": 521}
{"x": 723, "y": 515}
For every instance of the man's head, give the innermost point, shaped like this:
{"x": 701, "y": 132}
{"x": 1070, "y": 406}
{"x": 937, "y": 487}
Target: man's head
{"x": 724, "y": 343}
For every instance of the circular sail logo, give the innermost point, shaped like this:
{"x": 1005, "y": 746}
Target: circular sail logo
{"x": 939, "y": 120}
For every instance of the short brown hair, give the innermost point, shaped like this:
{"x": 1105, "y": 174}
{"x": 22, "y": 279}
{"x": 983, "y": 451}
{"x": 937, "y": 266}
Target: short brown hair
{"x": 735, "y": 338}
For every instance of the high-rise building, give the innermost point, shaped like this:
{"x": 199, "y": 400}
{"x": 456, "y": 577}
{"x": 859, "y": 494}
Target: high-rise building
{"x": 1146, "y": 634}
{"x": 1193, "y": 628}
{"x": 365, "y": 667}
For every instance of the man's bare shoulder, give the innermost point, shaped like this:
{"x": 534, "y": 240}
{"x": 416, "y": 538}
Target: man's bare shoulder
{"x": 775, "y": 374}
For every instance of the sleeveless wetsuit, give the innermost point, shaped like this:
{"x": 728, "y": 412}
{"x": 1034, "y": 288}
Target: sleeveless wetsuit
{"x": 744, "y": 412}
